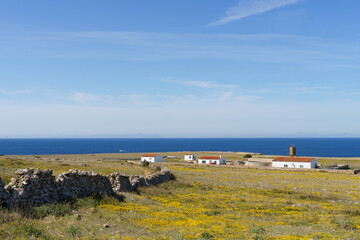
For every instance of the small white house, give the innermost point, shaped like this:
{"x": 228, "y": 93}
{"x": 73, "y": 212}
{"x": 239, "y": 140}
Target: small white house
{"x": 189, "y": 157}
{"x": 152, "y": 158}
{"x": 294, "y": 162}
{"x": 212, "y": 160}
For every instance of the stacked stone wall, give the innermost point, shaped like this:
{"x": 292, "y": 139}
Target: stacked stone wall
{"x": 32, "y": 186}
{"x": 75, "y": 183}
{"x": 36, "y": 187}
{"x": 156, "y": 178}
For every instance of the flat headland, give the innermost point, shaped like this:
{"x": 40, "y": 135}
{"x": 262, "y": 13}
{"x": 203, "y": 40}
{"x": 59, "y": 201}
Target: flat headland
{"x": 203, "y": 202}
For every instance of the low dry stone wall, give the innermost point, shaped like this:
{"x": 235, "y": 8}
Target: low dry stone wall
{"x": 36, "y": 187}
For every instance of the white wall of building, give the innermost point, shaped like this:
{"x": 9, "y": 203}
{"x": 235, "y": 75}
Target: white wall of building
{"x": 212, "y": 161}
{"x": 204, "y": 161}
{"x": 311, "y": 164}
{"x": 157, "y": 158}
{"x": 189, "y": 157}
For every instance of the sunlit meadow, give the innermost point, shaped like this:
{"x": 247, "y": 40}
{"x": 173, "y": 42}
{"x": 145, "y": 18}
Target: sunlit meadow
{"x": 204, "y": 202}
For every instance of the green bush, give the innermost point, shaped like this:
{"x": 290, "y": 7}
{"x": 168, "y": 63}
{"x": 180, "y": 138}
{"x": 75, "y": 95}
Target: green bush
{"x": 30, "y": 230}
{"x": 258, "y": 230}
{"x": 145, "y": 163}
{"x": 211, "y": 213}
{"x": 73, "y": 230}
{"x": 56, "y": 209}
{"x": 247, "y": 156}
{"x": 91, "y": 201}
{"x": 206, "y": 235}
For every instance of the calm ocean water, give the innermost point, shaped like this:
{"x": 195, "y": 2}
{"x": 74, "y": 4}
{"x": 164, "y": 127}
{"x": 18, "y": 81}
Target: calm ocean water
{"x": 322, "y": 147}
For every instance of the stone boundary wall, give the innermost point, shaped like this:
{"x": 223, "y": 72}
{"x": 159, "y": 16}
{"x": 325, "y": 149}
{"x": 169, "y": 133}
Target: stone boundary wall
{"x": 36, "y": 187}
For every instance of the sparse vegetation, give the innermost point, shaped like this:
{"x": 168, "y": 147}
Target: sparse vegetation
{"x": 202, "y": 203}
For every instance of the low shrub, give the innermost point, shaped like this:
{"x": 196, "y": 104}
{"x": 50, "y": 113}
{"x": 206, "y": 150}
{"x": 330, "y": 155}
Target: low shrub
{"x": 206, "y": 235}
{"x": 211, "y": 213}
{"x": 258, "y": 230}
{"x": 347, "y": 224}
{"x": 56, "y": 209}
{"x": 91, "y": 201}
{"x": 145, "y": 163}
{"x": 73, "y": 230}
{"x": 31, "y": 230}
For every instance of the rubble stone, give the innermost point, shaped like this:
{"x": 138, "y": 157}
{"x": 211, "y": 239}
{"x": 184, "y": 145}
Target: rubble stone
{"x": 36, "y": 187}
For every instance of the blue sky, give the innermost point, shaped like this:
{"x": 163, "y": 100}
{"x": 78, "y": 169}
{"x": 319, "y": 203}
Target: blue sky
{"x": 248, "y": 68}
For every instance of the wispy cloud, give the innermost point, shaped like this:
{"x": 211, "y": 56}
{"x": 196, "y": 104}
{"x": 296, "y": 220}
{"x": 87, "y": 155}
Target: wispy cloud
{"x": 314, "y": 89}
{"x": 88, "y": 98}
{"x": 15, "y": 92}
{"x": 223, "y": 94}
{"x": 247, "y": 8}
{"x": 301, "y": 89}
{"x": 204, "y": 84}
{"x": 134, "y": 100}
{"x": 153, "y": 46}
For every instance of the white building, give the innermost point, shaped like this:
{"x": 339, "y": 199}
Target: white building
{"x": 294, "y": 162}
{"x": 212, "y": 160}
{"x": 152, "y": 158}
{"x": 189, "y": 157}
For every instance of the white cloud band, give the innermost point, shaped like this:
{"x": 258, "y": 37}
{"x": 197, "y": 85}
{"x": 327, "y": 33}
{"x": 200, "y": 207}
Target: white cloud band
{"x": 247, "y": 8}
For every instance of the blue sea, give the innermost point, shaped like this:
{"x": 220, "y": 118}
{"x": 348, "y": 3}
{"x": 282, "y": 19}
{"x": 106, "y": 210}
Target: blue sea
{"x": 320, "y": 147}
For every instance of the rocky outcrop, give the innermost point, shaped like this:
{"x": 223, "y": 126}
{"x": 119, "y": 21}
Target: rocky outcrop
{"x": 36, "y": 187}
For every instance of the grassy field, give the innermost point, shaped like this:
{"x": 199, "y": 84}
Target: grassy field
{"x": 202, "y": 203}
